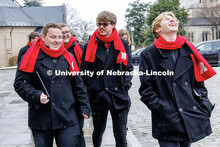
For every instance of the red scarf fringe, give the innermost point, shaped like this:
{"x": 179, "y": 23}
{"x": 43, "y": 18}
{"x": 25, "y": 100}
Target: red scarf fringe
{"x": 202, "y": 69}
{"x": 77, "y": 50}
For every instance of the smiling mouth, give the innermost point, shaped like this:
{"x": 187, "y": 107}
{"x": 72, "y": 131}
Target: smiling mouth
{"x": 173, "y": 25}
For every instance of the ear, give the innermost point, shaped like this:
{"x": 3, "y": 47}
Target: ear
{"x": 158, "y": 30}
{"x": 43, "y": 37}
{"x": 113, "y": 26}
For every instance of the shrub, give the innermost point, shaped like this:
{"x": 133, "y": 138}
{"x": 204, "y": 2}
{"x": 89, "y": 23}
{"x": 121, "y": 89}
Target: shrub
{"x": 13, "y": 61}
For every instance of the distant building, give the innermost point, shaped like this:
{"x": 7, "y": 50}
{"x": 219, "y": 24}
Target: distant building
{"x": 198, "y": 27}
{"x": 16, "y": 23}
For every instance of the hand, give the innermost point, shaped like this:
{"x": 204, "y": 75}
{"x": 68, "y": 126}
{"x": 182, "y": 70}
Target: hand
{"x": 43, "y": 99}
{"x": 85, "y": 116}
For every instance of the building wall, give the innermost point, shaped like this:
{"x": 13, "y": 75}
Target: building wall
{"x": 188, "y": 4}
{"x": 12, "y": 40}
{"x": 194, "y": 6}
{"x": 198, "y": 33}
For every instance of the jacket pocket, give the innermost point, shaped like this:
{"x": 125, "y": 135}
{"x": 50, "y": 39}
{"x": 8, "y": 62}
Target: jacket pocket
{"x": 204, "y": 103}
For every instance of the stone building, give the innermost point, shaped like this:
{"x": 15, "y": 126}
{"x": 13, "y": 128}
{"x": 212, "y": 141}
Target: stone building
{"x": 200, "y": 26}
{"x": 16, "y": 23}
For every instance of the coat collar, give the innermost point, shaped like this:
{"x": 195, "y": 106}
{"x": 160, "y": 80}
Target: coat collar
{"x": 101, "y": 51}
{"x": 71, "y": 47}
{"x": 109, "y": 58}
{"x": 183, "y": 62}
{"x": 43, "y": 57}
{"x": 61, "y": 65}
{"x": 184, "y": 52}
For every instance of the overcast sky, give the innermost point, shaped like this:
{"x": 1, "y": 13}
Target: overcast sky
{"x": 89, "y": 9}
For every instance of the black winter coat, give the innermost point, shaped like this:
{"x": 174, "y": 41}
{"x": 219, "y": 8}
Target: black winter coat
{"x": 59, "y": 112}
{"x": 106, "y": 91}
{"x": 70, "y": 50}
{"x": 179, "y": 104}
{"x": 22, "y": 51}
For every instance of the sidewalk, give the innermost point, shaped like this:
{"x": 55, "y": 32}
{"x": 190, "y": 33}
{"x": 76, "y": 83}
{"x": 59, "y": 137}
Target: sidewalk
{"x": 14, "y": 131}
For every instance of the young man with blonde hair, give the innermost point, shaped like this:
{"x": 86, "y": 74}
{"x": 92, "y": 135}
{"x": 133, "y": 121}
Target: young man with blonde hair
{"x": 103, "y": 54}
{"x": 179, "y": 102}
{"x": 50, "y": 96}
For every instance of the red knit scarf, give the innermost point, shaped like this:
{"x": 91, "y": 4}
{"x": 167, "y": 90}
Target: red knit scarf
{"x": 30, "y": 57}
{"x": 92, "y": 46}
{"x": 202, "y": 69}
{"x": 29, "y": 43}
{"x": 77, "y": 50}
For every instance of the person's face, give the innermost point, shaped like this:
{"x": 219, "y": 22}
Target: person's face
{"x": 168, "y": 25}
{"x": 34, "y": 39}
{"x": 53, "y": 39}
{"x": 105, "y": 28}
{"x": 125, "y": 37}
{"x": 66, "y": 34}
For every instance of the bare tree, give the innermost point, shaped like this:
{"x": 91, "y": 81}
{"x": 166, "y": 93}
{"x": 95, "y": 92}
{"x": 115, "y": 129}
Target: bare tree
{"x": 85, "y": 28}
{"x": 79, "y": 27}
{"x": 212, "y": 14}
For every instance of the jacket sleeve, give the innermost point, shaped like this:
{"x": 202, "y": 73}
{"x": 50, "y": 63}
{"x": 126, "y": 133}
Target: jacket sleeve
{"x": 147, "y": 89}
{"x": 20, "y": 54}
{"x": 25, "y": 89}
{"x": 80, "y": 94}
{"x": 84, "y": 67}
{"x": 201, "y": 94}
{"x": 127, "y": 78}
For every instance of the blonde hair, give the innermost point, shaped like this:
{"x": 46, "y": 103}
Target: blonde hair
{"x": 157, "y": 21}
{"x": 106, "y": 16}
{"x": 122, "y": 32}
{"x": 50, "y": 25}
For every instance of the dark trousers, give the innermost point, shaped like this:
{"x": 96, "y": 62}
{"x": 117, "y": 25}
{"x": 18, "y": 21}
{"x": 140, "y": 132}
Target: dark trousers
{"x": 174, "y": 143}
{"x": 81, "y": 140}
{"x": 67, "y": 137}
{"x": 119, "y": 121}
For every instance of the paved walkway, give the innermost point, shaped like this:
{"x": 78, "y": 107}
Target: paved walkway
{"x": 15, "y": 133}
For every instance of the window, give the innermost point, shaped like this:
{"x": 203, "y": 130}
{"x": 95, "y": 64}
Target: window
{"x": 205, "y": 36}
{"x": 139, "y": 51}
{"x": 204, "y": 47}
{"x": 190, "y": 37}
{"x": 218, "y": 35}
{"x": 216, "y": 45}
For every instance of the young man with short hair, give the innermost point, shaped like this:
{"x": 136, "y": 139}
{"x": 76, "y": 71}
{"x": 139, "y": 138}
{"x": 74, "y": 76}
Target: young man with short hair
{"x": 178, "y": 100}
{"x": 51, "y": 97}
{"x": 104, "y": 54}
{"x": 33, "y": 36}
{"x": 72, "y": 46}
